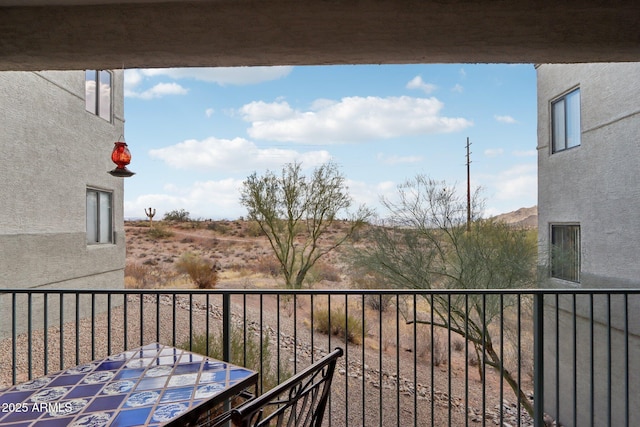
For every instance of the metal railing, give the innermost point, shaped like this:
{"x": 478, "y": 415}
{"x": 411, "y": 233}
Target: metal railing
{"x": 421, "y": 358}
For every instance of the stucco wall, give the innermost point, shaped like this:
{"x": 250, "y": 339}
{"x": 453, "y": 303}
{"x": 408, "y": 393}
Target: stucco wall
{"x": 597, "y": 186}
{"x": 52, "y": 150}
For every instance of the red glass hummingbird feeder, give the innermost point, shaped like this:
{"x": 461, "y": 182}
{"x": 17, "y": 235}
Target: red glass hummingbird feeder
{"x": 121, "y": 156}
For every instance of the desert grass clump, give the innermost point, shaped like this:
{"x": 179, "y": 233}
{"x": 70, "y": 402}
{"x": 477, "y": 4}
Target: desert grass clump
{"x": 337, "y": 323}
{"x": 138, "y": 276}
{"x": 267, "y": 265}
{"x": 158, "y": 231}
{"x": 199, "y": 270}
{"x": 246, "y": 350}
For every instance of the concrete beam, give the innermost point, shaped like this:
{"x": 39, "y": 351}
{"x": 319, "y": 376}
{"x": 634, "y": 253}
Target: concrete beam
{"x": 294, "y": 32}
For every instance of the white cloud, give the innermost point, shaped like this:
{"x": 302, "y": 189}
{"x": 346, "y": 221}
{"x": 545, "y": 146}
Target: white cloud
{"x": 457, "y": 88}
{"x": 505, "y": 119}
{"x": 350, "y": 119}
{"x": 158, "y": 91}
{"x": 259, "y": 111}
{"x": 463, "y": 73}
{"x": 369, "y": 194}
{"x": 493, "y": 152}
{"x": 519, "y": 181}
{"x": 223, "y": 75}
{"x": 395, "y": 160}
{"x": 418, "y": 83}
{"x": 208, "y": 199}
{"x": 237, "y": 154}
{"x": 209, "y": 112}
{"x": 525, "y": 153}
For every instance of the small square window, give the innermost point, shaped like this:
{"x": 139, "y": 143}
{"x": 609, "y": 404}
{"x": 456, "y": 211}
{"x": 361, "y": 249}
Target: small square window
{"x": 565, "y": 252}
{"x": 98, "y": 93}
{"x": 565, "y": 118}
{"x": 99, "y": 217}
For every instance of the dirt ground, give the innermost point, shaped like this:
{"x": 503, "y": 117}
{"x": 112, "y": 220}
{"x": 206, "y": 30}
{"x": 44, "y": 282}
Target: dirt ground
{"x": 367, "y": 386}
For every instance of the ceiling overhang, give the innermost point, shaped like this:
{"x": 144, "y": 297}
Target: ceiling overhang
{"x": 143, "y": 34}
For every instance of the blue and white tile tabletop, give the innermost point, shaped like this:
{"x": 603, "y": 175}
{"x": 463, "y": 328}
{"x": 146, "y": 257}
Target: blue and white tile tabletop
{"x": 150, "y": 385}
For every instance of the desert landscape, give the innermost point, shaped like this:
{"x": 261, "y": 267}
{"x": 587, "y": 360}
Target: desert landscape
{"x": 378, "y": 371}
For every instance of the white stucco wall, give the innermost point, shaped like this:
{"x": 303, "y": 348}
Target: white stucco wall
{"x": 52, "y": 150}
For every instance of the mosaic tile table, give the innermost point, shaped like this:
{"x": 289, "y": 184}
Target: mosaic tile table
{"x": 154, "y": 385}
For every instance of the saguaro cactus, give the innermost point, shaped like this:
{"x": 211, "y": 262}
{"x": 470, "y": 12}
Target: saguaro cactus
{"x": 150, "y": 214}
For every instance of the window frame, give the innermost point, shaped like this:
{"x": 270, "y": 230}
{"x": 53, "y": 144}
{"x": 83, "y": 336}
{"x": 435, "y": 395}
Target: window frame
{"x": 98, "y": 216}
{"x": 567, "y": 109}
{"x": 570, "y": 251}
{"x": 97, "y": 107}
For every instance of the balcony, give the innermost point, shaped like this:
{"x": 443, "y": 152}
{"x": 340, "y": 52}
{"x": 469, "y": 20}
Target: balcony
{"x": 572, "y": 353}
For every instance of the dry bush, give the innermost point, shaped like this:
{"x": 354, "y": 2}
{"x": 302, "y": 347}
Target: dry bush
{"x": 322, "y": 271}
{"x": 380, "y": 302}
{"x": 432, "y": 347}
{"x": 158, "y": 231}
{"x": 138, "y": 276}
{"x": 266, "y": 265}
{"x": 202, "y": 272}
{"x": 350, "y": 328}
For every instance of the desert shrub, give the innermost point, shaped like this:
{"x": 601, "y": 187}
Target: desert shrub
{"x": 267, "y": 265}
{"x": 322, "y": 271}
{"x": 350, "y": 328}
{"x": 219, "y": 227}
{"x": 253, "y": 229}
{"x": 201, "y": 271}
{"x": 245, "y": 351}
{"x": 380, "y": 302}
{"x": 179, "y": 215}
{"x": 159, "y": 232}
{"x": 458, "y": 344}
{"x": 138, "y": 276}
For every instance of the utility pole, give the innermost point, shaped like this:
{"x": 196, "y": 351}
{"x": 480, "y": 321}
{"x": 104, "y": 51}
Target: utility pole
{"x": 468, "y": 186}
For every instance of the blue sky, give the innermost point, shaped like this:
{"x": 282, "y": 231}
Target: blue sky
{"x": 195, "y": 134}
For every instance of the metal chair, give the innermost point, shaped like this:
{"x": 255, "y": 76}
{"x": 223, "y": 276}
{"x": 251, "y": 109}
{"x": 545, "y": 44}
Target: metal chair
{"x": 299, "y": 401}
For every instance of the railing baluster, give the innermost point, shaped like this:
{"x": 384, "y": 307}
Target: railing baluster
{"x": 61, "y": 323}
{"x": 609, "y": 361}
{"x": 449, "y": 389}
{"x": 45, "y": 325}
{"x": 592, "y": 363}
{"x": 415, "y": 358}
{"x": 226, "y": 327}
{"x": 501, "y": 403}
{"x": 29, "y": 335}
{"x": 141, "y": 324}
{"x": 14, "y": 338}
{"x": 109, "y": 323}
{"x": 626, "y": 360}
{"x": 433, "y": 363}
{"x": 538, "y": 359}
{"x": 466, "y": 360}
{"x": 93, "y": 326}
{"x": 207, "y": 332}
{"x": 575, "y": 362}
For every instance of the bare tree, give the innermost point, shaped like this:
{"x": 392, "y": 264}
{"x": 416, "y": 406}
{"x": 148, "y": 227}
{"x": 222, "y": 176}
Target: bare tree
{"x": 295, "y": 212}
{"x": 425, "y": 244}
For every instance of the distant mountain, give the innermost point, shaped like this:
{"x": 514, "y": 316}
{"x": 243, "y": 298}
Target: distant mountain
{"x": 523, "y": 217}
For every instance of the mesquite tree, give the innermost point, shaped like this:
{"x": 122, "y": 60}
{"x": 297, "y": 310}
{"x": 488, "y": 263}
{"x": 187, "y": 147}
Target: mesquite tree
{"x": 295, "y": 212}
{"x": 425, "y": 244}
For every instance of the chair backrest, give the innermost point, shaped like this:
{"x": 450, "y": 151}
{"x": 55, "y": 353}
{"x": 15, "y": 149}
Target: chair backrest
{"x": 298, "y": 401}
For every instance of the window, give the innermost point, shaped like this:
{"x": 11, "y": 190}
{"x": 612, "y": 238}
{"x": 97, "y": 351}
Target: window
{"x": 565, "y": 252}
{"x": 97, "y": 88}
{"x": 565, "y": 116}
{"x": 99, "y": 217}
